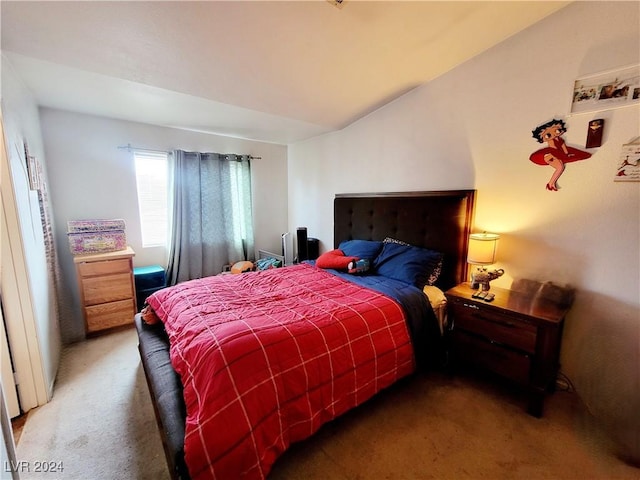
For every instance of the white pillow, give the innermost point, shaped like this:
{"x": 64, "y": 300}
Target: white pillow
{"x": 435, "y": 295}
{"x": 438, "y": 303}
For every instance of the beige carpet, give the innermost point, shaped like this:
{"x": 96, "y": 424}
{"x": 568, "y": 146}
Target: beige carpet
{"x": 100, "y": 425}
{"x": 100, "y": 422}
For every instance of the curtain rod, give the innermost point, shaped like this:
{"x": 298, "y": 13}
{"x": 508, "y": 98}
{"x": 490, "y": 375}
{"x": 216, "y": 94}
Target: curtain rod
{"x": 129, "y": 147}
{"x": 250, "y": 156}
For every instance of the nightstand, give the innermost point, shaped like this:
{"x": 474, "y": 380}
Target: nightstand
{"x": 516, "y": 336}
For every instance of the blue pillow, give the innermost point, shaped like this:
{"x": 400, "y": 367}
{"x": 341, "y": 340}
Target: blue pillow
{"x": 362, "y": 249}
{"x": 414, "y": 265}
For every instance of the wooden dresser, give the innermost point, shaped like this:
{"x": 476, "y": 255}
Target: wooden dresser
{"x": 107, "y": 290}
{"x": 517, "y": 335}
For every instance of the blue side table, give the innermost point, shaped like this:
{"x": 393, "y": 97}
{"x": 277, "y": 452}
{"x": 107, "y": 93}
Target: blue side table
{"x": 148, "y": 280}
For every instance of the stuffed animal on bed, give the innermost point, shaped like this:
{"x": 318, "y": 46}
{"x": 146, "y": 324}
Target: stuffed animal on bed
{"x": 241, "y": 267}
{"x": 358, "y": 266}
{"x": 148, "y": 315}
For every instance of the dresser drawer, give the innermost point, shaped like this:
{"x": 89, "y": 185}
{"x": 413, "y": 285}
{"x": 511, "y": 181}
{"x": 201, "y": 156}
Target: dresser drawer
{"x": 490, "y": 356}
{"x": 109, "y": 315}
{"x": 495, "y": 326}
{"x": 107, "y": 267}
{"x": 107, "y": 289}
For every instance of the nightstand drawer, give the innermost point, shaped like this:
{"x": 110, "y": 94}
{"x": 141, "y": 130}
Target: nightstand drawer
{"x": 495, "y": 326}
{"x": 498, "y": 359}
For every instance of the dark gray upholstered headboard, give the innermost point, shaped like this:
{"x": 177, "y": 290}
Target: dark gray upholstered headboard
{"x": 439, "y": 220}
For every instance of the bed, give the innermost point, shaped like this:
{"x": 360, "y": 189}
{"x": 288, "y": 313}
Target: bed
{"x": 241, "y": 366}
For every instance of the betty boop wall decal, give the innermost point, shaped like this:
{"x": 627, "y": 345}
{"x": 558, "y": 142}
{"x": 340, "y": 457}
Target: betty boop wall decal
{"x": 556, "y": 153}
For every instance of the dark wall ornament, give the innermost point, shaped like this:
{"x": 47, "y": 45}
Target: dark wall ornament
{"x": 594, "y": 133}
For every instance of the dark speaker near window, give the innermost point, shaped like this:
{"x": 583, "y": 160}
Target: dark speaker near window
{"x": 313, "y": 248}
{"x": 301, "y": 236}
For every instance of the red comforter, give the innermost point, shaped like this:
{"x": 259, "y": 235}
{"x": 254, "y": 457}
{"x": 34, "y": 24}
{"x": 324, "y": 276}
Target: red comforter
{"x": 266, "y": 358}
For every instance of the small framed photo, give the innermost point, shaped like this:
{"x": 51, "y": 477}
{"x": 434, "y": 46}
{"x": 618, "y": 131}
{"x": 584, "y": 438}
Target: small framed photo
{"x": 629, "y": 165}
{"x": 607, "y": 90}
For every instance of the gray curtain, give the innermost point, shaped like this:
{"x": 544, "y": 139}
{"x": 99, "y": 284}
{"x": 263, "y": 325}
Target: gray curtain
{"x": 212, "y": 220}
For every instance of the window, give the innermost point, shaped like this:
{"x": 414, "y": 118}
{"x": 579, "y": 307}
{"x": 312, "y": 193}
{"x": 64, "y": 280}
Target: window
{"x": 152, "y": 182}
{"x": 240, "y": 182}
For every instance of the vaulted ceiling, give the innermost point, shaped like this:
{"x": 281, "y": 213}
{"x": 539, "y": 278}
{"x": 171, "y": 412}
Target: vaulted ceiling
{"x": 274, "y": 71}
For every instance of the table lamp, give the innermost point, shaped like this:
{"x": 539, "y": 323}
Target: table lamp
{"x": 482, "y": 248}
{"x": 482, "y": 251}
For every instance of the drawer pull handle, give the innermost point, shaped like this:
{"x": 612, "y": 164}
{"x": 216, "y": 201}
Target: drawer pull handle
{"x": 469, "y": 305}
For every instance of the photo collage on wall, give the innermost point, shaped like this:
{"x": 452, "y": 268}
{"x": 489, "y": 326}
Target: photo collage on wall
{"x": 612, "y": 89}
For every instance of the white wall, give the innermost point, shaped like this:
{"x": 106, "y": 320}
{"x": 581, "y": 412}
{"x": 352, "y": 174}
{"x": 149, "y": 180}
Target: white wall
{"x": 30, "y": 313}
{"x": 91, "y": 178}
{"x": 471, "y": 128}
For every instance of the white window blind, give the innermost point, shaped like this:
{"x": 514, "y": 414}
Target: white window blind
{"x": 152, "y": 182}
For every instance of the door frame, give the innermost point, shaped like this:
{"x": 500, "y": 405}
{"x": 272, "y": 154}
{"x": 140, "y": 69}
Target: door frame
{"x": 16, "y": 296}
{"x": 9, "y": 388}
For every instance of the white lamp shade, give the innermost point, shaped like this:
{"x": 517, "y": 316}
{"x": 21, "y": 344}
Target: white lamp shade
{"x": 482, "y": 248}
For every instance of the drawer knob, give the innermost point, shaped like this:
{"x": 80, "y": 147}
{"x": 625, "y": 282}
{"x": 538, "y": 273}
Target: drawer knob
{"x": 469, "y": 305}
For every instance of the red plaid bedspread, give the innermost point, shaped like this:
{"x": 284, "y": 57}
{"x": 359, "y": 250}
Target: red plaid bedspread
{"x": 267, "y": 358}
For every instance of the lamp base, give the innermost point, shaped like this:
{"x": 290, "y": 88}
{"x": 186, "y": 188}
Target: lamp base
{"x": 481, "y": 278}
